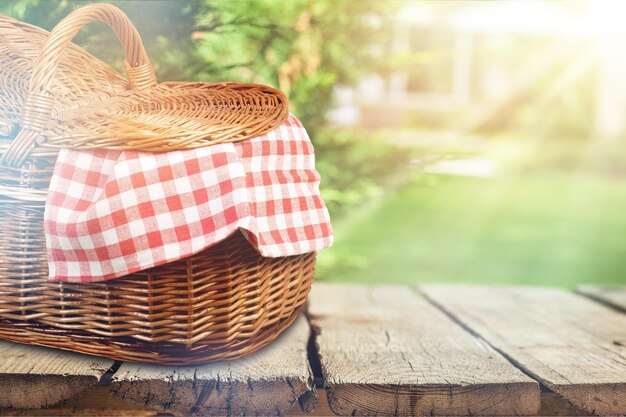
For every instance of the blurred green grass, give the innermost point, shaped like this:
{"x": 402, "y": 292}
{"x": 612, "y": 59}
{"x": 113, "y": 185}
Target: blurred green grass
{"x": 558, "y": 229}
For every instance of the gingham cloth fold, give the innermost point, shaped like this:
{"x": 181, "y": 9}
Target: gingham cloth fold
{"x": 111, "y": 213}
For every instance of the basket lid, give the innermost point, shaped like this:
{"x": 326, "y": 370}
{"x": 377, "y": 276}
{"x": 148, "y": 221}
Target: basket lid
{"x": 55, "y": 93}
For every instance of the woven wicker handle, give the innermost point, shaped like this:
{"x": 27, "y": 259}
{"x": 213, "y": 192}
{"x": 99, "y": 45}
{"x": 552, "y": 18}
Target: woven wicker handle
{"x": 39, "y": 105}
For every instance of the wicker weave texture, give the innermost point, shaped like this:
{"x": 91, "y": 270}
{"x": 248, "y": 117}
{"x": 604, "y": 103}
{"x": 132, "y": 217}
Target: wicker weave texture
{"x": 223, "y": 303}
{"x": 127, "y": 349}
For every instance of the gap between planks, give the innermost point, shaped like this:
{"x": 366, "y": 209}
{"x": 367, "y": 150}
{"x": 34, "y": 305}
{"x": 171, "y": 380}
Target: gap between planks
{"x": 567, "y": 342}
{"x": 613, "y": 296}
{"x": 385, "y": 351}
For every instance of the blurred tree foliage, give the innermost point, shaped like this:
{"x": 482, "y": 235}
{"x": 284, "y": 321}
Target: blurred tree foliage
{"x": 303, "y": 47}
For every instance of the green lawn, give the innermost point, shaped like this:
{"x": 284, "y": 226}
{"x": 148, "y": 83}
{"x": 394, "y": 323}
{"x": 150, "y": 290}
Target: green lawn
{"x": 560, "y": 230}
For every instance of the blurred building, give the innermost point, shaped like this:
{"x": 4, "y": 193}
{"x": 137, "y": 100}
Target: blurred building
{"x": 479, "y": 59}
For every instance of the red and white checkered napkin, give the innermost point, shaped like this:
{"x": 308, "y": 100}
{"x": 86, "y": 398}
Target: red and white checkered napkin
{"x": 111, "y": 213}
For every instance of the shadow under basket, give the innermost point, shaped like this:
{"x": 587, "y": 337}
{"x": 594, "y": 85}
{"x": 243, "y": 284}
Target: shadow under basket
{"x": 223, "y": 303}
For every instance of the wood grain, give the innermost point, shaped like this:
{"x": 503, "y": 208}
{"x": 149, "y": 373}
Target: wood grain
{"x": 575, "y": 346}
{"x": 269, "y": 382}
{"x": 385, "y": 351}
{"x": 95, "y": 401}
{"x": 614, "y": 296}
{"x": 35, "y": 377}
{"x": 552, "y": 404}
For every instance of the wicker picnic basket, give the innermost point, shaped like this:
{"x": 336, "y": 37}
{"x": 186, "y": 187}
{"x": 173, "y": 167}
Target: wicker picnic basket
{"x": 220, "y": 304}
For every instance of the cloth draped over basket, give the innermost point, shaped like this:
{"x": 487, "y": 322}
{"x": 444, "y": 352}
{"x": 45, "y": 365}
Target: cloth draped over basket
{"x": 111, "y": 213}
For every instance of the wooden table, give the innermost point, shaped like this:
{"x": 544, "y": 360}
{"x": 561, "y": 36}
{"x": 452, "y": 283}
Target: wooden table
{"x": 368, "y": 350}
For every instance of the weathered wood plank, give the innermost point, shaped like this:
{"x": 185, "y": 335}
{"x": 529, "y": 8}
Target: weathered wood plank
{"x": 95, "y": 401}
{"x": 385, "y": 351}
{"x": 269, "y": 382}
{"x": 615, "y": 296}
{"x": 575, "y": 346}
{"x": 35, "y": 377}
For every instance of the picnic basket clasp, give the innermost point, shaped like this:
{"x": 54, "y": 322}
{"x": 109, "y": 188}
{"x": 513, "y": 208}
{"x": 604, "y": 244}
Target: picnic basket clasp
{"x": 40, "y": 102}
